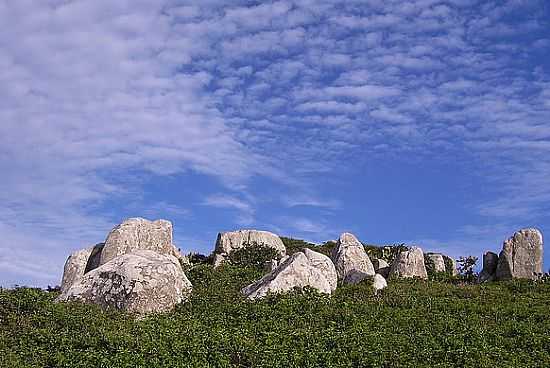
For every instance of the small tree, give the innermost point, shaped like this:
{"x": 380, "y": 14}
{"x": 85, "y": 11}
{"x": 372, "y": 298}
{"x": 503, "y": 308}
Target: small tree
{"x": 466, "y": 267}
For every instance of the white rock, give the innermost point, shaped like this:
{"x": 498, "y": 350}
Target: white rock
{"x": 297, "y": 270}
{"x": 139, "y": 233}
{"x": 437, "y": 260}
{"x": 409, "y": 263}
{"x": 351, "y": 260}
{"x": 141, "y": 282}
{"x": 379, "y": 283}
{"x": 231, "y": 241}
{"x": 521, "y": 256}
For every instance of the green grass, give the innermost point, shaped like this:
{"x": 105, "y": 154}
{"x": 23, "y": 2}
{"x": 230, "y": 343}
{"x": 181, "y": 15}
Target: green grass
{"x": 412, "y": 324}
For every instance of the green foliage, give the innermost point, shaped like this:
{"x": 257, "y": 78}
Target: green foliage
{"x": 253, "y": 255}
{"x": 297, "y": 245}
{"x": 386, "y": 252}
{"x": 410, "y": 324}
{"x": 466, "y": 268}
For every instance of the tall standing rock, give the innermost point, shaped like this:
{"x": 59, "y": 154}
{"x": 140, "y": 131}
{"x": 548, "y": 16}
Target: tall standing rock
{"x": 297, "y": 270}
{"x": 490, "y": 262}
{"x": 351, "y": 260}
{"x": 141, "y": 282}
{"x": 521, "y": 256}
{"x": 437, "y": 260}
{"x": 139, "y": 233}
{"x": 231, "y": 241}
{"x": 409, "y": 263}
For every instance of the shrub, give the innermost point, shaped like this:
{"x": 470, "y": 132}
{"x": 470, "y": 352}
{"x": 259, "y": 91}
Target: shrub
{"x": 253, "y": 255}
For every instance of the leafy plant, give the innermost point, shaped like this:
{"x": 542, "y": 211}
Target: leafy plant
{"x": 253, "y": 255}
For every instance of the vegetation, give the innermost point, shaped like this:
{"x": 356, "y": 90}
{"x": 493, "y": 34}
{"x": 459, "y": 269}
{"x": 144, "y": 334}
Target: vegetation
{"x": 297, "y": 245}
{"x": 410, "y": 324}
{"x": 253, "y": 255}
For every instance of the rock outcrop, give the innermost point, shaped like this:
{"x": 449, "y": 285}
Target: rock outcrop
{"x": 437, "y": 261}
{"x": 351, "y": 260}
{"x": 379, "y": 283}
{"x": 409, "y": 263}
{"x": 231, "y": 241}
{"x": 490, "y": 262}
{"x": 298, "y": 270}
{"x": 140, "y": 282}
{"x": 381, "y": 267}
{"x": 137, "y": 269}
{"x": 521, "y": 256}
{"x": 139, "y": 233}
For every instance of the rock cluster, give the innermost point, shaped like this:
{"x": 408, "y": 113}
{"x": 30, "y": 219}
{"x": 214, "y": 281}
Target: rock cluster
{"x": 231, "y": 241}
{"x": 137, "y": 269}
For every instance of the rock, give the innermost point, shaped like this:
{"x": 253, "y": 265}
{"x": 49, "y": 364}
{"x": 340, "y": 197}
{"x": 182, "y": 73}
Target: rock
{"x": 323, "y": 264}
{"x": 78, "y": 264}
{"x": 437, "y": 260}
{"x": 381, "y": 267}
{"x": 139, "y": 233}
{"x": 490, "y": 262}
{"x": 297, "y": 270}
{"x": 140, "y": 282}
{"x": 521, "y": 256}
{"x": 228, "y": 242}
{"x": 409, "y": 263}
{"x": 451, "y": 262}
{"x": 379, "y": 283}
{"x": 351, "y": 260}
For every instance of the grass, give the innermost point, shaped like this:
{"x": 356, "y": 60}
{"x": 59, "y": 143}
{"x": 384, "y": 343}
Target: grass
{"x": 412, "y": 324}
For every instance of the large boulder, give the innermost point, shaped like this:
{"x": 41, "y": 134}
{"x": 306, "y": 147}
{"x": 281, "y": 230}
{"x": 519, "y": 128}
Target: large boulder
{"x": 436, "y": 261}
{"x": 231, "y": 241}
{"x": 351, "y": 260}
{"x": 299, "y": 270}
{"x": 381, "y": 267}
{"x": 521, "y": 256}
{"x": 79, "y": 263}
{"x": 490, "y": 262}
{"x": 141, "y": 282}
{"x": 409, "y": 263}
{"x": 139, "y": 233}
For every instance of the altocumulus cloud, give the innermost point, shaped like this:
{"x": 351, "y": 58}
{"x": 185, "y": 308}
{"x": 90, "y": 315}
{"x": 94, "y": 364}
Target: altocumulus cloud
{"x": 97, "y": 93}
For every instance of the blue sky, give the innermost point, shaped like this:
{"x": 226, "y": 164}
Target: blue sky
{"x": 422, "y": 121}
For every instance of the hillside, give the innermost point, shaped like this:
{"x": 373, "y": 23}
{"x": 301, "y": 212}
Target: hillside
{"x": 412, "y": 323}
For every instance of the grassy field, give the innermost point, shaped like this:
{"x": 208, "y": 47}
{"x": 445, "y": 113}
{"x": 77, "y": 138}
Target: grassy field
{"x": 412, "y": 324}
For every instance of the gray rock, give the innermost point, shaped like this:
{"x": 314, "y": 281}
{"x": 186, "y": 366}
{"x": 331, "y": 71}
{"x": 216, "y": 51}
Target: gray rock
{"x": 75, "y": 267}
{"x": 490, "y": 262}
{"x": 379, "y": 283}
{"x": 381, "y": 267}
{"x": 231, "y": 241}
{"x": 139, "y": 233}
{"x": 437, "y": 260}
{"x": 297, "y": 270}
{"x": 351, "y": 260}
{"x": 141, "y": 282}
{"x": 521, "y": 256}
{"x": 409, "y": 263}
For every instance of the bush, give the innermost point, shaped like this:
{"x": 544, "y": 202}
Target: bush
{"x": 411, "y": 324}
{"x": 253, "y": 255}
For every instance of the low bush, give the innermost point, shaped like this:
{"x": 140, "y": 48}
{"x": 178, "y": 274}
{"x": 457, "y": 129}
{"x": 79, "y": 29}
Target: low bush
{"x": 412, "y": 323}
